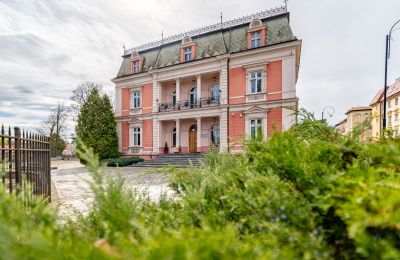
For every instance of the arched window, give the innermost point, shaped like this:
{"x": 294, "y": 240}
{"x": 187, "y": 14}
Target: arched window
{"x": 173, "y": 137}
{"x": 215, "y": 93}
{"x": 173, "y": 98}
{"x": 193, "y": 97}
{"x": 215, "y": 134}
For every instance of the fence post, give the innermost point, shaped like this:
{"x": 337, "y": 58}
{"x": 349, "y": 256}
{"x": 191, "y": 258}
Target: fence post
{"x": 17, "y": 133}
{"x": 49, "y": 169}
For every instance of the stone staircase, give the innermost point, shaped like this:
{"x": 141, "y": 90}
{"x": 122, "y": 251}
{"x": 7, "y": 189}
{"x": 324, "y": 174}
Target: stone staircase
{"x": 174, "y": 159}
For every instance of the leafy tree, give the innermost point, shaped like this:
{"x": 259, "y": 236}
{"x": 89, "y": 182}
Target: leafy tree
{"x": 81, "y": 93}
{"x": 57, "y": 145}
{"x": 96, "y": 126}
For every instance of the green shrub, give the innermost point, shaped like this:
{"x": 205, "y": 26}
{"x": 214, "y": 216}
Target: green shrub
{"x": 121, "y": 162}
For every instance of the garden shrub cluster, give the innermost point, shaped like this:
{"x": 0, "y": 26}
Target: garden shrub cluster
{"x": 307, "y": 193}
{"x": 121, "y": 162}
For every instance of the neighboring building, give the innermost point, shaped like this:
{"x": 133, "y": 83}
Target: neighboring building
{"x": 392, "y": 110}
{"x": 342, "y": 126}
{"x": 355, "y": 117}
{"x": 210, "y": 86}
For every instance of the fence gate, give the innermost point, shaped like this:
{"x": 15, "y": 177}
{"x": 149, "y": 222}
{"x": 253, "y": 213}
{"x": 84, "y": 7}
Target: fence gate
{"x": 25, "y": 164}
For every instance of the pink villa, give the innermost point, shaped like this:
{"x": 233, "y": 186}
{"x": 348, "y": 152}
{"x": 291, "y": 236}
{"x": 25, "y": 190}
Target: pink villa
{"x": 213, "y": 86}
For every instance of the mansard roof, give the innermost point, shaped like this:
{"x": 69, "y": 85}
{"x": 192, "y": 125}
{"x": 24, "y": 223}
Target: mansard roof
{"x": 211, "y": 41}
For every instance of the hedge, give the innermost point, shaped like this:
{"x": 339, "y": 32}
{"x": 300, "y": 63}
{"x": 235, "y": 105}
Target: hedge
{"x": 121, "y": 162}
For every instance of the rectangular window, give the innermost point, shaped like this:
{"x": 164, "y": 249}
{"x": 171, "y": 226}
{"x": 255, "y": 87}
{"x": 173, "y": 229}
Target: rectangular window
{"x": 187, "y": 54}
{"x": 255, "y": 127}
{"x": 396, "y": 117}
{"x": 136, "y": 136}
{"x": 136, "y": 66}
{"x": 390, "y": 121}
{"x": 136, "y": 99}
{"x": 396, "y": 101}
{"x": 256, "y": 82}
{"x": 255, "y": 39}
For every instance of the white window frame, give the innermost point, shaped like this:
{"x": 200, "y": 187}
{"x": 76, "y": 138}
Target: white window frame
{"x": 136, "y": 99}
{"x": 255, "y": 39}
{"x": 187, "y": 53}
{"x": 254, "y": 76}
{"x": 135, "y": 66}
{"x": 256, "y": 123}
{"x": 137, "y": 136}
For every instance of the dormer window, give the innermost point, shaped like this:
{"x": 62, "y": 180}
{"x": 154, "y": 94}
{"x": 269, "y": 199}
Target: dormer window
{"x": 188, "y": 49}
{"x": 255, "y": 39}
{"x": 187, "y": 54}
{"x": 256, "y": 34}
{"x": 136, "y": 62}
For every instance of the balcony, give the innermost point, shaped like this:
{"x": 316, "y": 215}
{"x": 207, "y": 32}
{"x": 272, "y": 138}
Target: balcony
{"x": 188, "y": 104}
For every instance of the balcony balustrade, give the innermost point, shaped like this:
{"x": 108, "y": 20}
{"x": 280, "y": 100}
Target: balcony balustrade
{"x": 189, "y": 104}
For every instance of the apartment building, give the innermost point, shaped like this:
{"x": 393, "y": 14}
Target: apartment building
{"x": 213, "y": 86}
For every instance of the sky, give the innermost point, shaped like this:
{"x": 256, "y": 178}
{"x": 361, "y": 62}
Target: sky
{"x": 48, "y": 47}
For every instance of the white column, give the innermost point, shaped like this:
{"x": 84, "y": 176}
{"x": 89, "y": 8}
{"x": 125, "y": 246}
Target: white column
{"x": 198, "y": 86}
{"x": 223, "y": 130}
{"x": 178, "y": 90}
{"x": 156, "y": 135}
{"x": 223, "y": 82}
{"x": 156, "y": 94}
{"x": 199, "y": 134}
{"x": 178, "y": 133}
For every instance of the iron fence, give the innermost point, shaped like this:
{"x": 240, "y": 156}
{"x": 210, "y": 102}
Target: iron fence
{"x": 189, "y": 104}
{"x": 25, "y": 164}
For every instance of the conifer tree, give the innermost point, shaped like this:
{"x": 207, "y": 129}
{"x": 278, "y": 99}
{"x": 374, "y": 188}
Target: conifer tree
{"x": 96, "y": 126}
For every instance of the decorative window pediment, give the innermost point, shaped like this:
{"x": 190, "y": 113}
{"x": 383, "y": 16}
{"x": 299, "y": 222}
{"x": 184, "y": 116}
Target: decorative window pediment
{"x": 188, "y": 49}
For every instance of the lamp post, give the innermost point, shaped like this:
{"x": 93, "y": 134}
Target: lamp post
{"x": 387, "y": 56}
{"x": 330, "y": 110}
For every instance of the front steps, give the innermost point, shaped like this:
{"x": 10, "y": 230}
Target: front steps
{"x": 175, "y": 159}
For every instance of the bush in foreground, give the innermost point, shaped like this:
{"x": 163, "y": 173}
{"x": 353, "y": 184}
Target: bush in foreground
{"x": 121, "y": 162}
{"x": 299, "y": 195}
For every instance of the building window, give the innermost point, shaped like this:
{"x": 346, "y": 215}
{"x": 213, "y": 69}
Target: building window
{"x": 255, "y": 127}
{"x": 390, "y": 120}
{"x": 135, "y": 66}
{"x": 193, "y": 96}
{"x": 215, "y": 134}
{"x": 136, "y": 99}
{"x": 173, "y": 137}
{"x": 255, "y": 39}
{"x": 173, "y": 98}
{"x": 215, "y": 93}
{"x": 136, "y": 136}
{"x": 187, "y": 52}
{"x": 396, "y": 101}
{"x": 255, "y": 82}
{"x": 389, "y": 103}
{"x": 396, "y": 117}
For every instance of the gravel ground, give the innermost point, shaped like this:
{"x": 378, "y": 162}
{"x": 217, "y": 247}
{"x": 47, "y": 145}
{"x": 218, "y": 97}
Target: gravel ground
{"x": 71, "y": 191}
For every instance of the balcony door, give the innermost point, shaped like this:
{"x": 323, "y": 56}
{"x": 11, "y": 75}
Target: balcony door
{"x": 193, "y": 139}
{"x": 193, "y": 97}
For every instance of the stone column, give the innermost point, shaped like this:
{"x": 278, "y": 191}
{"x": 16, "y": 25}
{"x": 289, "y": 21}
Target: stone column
{"x": 199, "y": 134}
{"x": 198, "y": 86}
{"x": 223, "y": 130}
{"x": 156, "y": 135}
{"x": 223, "y": 82}
{"x": 178, "y": 90}
{"x": 178, "y": 133}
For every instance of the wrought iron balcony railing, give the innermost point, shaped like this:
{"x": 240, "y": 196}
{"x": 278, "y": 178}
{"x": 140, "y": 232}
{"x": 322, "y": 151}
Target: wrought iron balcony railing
{"x": 188, "y": 104}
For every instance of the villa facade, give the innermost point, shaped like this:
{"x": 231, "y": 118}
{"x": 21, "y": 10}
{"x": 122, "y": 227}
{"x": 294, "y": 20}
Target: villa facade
{"x": 214, "y": 86}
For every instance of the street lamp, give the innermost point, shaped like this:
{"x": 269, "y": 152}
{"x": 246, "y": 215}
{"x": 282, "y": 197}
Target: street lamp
{"x": 387, "y": 56}
{"x": 330, "y": 111}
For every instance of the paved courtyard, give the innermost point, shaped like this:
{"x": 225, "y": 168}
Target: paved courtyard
{"x": 71, "y": 191}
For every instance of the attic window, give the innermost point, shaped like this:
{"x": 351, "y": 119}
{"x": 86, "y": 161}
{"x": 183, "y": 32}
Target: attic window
{"x": 256, "y": 34}
{"x": 136, "y": 62}
{"x": 188, "y": 49}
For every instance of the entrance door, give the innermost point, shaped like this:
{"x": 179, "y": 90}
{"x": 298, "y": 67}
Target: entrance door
{"x": 193, "y": 139}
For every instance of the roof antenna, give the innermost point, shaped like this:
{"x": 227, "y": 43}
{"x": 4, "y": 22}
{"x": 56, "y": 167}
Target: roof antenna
{"x": 123, "y": 46}
{"x": 221, "y": 20}
{"x": 162, "y": 36}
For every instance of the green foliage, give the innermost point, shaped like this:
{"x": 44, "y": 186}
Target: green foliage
{"x": 57, "y": 145}
{"x": 307, "y": 193}
{"x": 121, "y": 162}
{"x": 96, "y": 126}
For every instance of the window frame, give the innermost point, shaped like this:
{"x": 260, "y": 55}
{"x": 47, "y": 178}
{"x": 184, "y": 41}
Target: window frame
{"x": 187, "y": 52}
{"x": 212, "y": 131}
{"x": 136, "y": 99}
{"x": 258, "y": 123}
{"x": 136, "y": 66}
{"x": 137, "y": 136}
{"x": 255, "y": 39}
{"x": 173, "y": 137}
{"x": 259, "y": 77}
